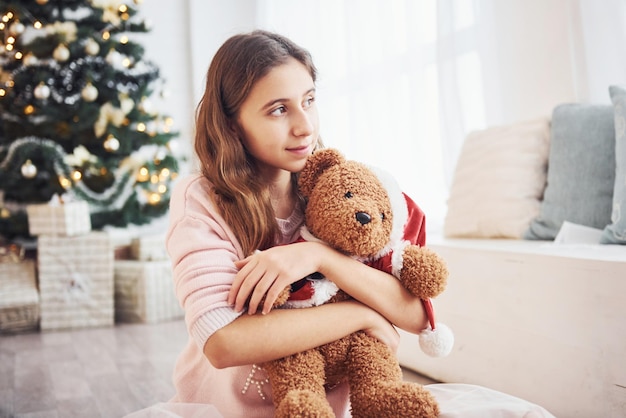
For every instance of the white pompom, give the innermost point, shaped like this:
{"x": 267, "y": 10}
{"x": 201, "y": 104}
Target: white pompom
{"x": 437, "y": 343}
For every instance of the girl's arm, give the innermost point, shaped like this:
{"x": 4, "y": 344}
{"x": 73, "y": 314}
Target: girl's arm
{"x": 259, "y": 338}
{"x": 379, "y": 290}
{"x": 266, "y": 273}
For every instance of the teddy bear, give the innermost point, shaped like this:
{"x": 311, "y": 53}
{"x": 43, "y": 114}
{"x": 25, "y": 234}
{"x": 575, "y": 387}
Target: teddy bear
{"x": 360, "y": 211}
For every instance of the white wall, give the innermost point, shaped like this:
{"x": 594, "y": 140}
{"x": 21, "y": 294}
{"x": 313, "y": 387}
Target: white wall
{"x": 185, "y": 35}
{"x": 604, "y": 37}
{"x": 210, "y": 24}
{"x": 549, "y": 52}
{"x": 534, "y": 63}
{"x": 167, "y": 46}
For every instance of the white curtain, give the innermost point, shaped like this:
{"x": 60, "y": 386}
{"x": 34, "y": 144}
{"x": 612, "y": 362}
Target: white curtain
{"x": 402, "y": 82}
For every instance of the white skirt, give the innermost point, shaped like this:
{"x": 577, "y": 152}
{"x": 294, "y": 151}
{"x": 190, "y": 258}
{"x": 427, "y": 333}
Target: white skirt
{"x": 455, "y": 401}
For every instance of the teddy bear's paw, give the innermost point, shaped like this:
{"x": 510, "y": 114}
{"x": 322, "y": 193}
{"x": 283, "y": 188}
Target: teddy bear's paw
{"x": 403, "y": 400}
{"x": 304, "y": 404}
{"x": 423, "y": 273}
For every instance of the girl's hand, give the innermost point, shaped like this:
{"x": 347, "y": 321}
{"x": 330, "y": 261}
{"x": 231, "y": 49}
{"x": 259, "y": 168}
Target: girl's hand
{"x": 267, "y": 273}
{"x": 383, "y": 331}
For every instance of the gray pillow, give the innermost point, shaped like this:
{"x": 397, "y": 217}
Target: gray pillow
{"x": 581, "y": 170}
{"x": 615, "y": 233}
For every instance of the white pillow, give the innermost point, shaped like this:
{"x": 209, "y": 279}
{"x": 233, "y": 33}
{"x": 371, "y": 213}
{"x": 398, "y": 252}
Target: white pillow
{"x": 499, "y": 181}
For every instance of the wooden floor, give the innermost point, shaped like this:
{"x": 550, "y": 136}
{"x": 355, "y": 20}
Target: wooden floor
{"x": 101, "y": 372}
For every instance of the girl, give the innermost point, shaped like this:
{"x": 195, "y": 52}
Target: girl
{"x": 255, "y": 126}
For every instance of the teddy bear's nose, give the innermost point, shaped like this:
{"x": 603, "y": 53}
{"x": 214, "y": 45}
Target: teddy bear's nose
{"x": 363, "y": 218}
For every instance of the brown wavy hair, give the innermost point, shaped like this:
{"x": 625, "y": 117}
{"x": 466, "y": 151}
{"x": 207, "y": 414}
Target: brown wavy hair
{"x": 239, "y": 192}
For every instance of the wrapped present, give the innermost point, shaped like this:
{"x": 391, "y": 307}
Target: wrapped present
{"x": 11, "y": 253}
{"x": 19, "y": 298}
{"x": 144, "y": 292}
{"x": 76, "y": 281}
{"x": 58, "y": 218}
{"x": 149, "y": 248}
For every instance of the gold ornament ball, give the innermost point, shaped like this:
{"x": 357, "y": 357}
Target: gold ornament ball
{"x": 92, "y": 47}
{"x": 111, "y": 144}
{"x": 42, "y": 91}
{"x": 16, "y": 28}
{"x": 29, "y": 60}
{"x": 61, "y": 53}
{"x": 29, "y": 170}
{"x": 89, "y": 93}
{"x": 42, "y": 2}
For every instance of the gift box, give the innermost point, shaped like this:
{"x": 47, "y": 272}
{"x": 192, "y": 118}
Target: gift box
{"x": 19, "y": 298}
{"x": 75, "y": 281}
{"x": 144, "y": 292}
{"x": 149, "y": 248}
{"x": 55, "y": 218}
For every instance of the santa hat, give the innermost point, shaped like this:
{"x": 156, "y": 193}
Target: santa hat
{"x": 437, "y": 339}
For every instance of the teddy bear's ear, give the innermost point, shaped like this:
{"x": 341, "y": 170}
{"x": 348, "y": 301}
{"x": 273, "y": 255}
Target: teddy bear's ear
{"x": 316, "y": 164}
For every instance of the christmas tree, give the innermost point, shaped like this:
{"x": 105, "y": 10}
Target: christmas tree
{"x": 76, "y": 120}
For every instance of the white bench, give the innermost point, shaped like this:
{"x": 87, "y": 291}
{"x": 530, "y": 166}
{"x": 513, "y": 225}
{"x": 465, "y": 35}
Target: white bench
{"x": 533, "y": 319}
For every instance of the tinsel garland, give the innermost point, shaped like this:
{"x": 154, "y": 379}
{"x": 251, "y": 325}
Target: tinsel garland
{"x": 113, "y": 198}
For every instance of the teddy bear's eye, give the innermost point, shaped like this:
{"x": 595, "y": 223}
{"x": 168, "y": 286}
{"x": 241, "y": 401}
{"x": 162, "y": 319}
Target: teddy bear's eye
{"x": 382, "y": 216}
{"x": 348, "y": 195}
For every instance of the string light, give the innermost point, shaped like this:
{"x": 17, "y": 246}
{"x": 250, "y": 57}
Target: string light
{"x": 143, "y": 175}
{"x": 65, "y": 182}
{"x": 154, "y": 198}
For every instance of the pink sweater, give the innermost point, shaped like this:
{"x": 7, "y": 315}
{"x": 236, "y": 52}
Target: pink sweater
{"x": 203, "y": 250}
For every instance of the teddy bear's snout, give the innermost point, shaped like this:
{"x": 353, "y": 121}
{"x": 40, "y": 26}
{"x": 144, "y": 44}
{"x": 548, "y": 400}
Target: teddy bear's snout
{"x": 363, "y": 217}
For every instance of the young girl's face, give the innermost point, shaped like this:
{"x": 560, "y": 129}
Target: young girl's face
{"x": 279, "y": 119}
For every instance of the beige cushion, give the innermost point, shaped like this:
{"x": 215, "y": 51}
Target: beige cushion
{"x": 499, "y": 181}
